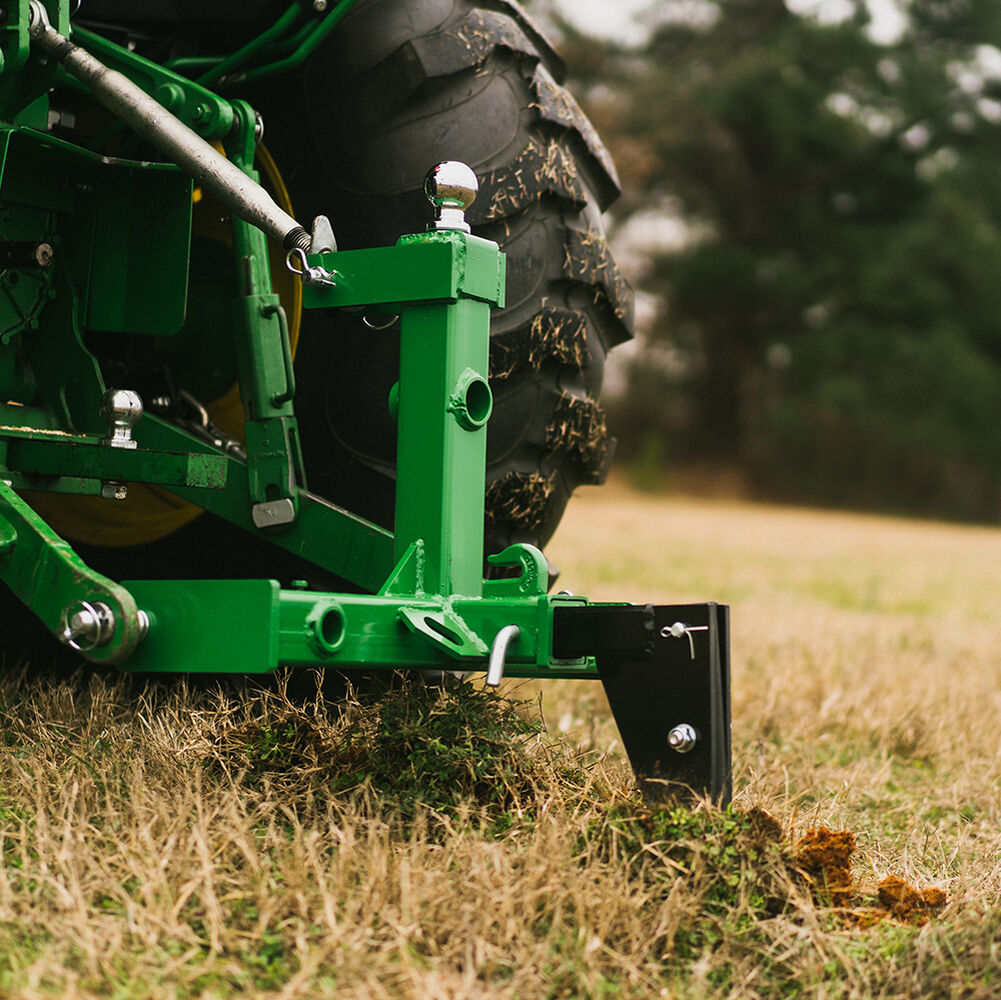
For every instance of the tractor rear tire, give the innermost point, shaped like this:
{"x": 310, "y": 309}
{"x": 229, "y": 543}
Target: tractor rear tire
{"x": 470, "y": 80}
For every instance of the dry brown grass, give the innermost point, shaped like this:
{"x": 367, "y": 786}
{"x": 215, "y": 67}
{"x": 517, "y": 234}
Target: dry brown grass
{"x": 166, "y": 842}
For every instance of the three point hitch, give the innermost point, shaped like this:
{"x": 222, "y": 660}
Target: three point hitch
{"x": 421, "y": 600}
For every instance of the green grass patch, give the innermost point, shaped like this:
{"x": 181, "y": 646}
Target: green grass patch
{"x": 406, "y": 747}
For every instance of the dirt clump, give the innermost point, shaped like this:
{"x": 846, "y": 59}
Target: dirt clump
{"x": 906, "y": 903}
{"x": 824, "y": 859}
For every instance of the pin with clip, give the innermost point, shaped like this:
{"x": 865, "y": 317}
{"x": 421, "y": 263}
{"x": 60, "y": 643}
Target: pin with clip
{"x": 306, "y": 274}
{"x": 679, "y": 629}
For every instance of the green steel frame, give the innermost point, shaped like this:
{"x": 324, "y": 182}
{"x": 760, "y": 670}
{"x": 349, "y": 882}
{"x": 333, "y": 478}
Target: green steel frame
{"x": 429, "y": 605}
{"x": 425, "y": 602}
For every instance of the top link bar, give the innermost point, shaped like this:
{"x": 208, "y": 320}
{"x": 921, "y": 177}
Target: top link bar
{"x": 159, "y": 127}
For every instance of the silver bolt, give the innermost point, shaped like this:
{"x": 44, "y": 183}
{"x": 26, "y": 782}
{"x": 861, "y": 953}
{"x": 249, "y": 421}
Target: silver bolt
{"x": 271, "y": 513}
{"x": 111, "y": 490}
{"x": 682, "y": 738}
{"x": 86, "y": 626}
{"x": 451, "y": 188}
{"x": 43, "y": 254}
{"x": 319, "y": 6}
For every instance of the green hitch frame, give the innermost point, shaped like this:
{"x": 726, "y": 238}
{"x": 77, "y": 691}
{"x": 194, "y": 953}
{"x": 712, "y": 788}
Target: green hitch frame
{"x": 424, "y": 602}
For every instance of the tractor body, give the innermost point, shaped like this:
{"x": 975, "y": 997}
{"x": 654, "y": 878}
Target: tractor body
{"x": 96, "y": 265}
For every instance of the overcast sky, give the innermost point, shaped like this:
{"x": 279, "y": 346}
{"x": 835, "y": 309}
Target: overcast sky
{"x": 623, "y": 19}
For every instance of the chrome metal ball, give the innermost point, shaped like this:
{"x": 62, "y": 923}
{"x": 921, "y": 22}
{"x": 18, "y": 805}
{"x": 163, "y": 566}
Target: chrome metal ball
{"x": 122, "y": 408}
{"x": 451, "y": 188}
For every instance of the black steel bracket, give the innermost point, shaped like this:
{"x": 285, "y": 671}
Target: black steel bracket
{"x": 666, "y": 672}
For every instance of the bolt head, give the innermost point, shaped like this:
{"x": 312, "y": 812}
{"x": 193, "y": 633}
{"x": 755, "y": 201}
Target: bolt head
{"x": 86, "y": 625}
{"x": 114, "y": 491}
{"x": 170, "y": 95}
{"x": 682, "y": 738}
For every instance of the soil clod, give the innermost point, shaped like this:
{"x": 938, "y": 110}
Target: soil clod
{"x": 824, "y": 856}
{"x": 906, "y": 903}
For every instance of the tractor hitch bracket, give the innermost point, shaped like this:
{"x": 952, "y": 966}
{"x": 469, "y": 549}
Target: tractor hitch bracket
{"x": 669, "y": 690}
{"x": 423, "y": 603}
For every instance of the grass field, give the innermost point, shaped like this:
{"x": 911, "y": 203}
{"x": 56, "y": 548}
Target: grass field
{"x": 166, "y": 842}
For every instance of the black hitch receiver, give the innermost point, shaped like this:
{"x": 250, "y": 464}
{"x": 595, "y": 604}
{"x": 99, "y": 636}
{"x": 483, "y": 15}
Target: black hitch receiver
{"x": 666, "y": 672}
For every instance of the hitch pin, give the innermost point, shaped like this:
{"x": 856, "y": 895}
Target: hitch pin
{"x": 679, "y": 629}
{"x": 498, "y": 653}
{"x": 308, "y": 275}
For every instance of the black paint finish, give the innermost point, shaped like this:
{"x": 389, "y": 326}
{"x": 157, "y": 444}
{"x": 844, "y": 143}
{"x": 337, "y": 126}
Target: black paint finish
{"x": 654, "y": 683}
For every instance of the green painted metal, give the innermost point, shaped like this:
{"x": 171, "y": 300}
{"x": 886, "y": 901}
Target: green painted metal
{"x": 14, "y": 35}
{"x": 462, "y": 274}
{"x": 426, "y": 267}
{"x": 437, "y": 623}
{"x": 533, "y": 578}
{"x": 260, "y": 43}
{"x": 287, "y": 43}
{"x": 87, "y": 458}
{"x": 30, "y": 422}
{"x": 441, "y": 461}
{"x": 200, "y": 109}
{"x": 427, "y": 605}
{"x": 118, "y": 292}
{"x": 328, "y": 536}
{"x": 47, "y": 575}
{"x": 208, "y": 626}
{"x": 263, "y": 352}
{"x": 25, "y": 82}
{"x": 308, "y": 40}
{"x": 8, "y": 537}
{"x": 108, "y": 221}
{"x": 253, "y": 626}
{"x": 444, "y": 398}
{"x": 67, "y": 375}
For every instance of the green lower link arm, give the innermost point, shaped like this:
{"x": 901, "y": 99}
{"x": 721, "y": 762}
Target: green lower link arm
{"x": 52, "y": 580}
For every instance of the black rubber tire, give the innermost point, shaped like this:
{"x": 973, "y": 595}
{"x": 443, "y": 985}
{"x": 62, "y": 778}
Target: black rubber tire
{"x": 399, "y": 86}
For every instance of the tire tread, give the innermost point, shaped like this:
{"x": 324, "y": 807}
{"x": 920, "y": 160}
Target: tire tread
{"x": 542, "y": 189}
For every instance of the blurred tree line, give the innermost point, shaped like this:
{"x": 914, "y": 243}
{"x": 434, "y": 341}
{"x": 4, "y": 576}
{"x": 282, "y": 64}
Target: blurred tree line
{"x": 829, "y": 321}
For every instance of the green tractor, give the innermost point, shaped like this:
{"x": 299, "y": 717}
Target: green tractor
{"x": 236, "y": 434}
